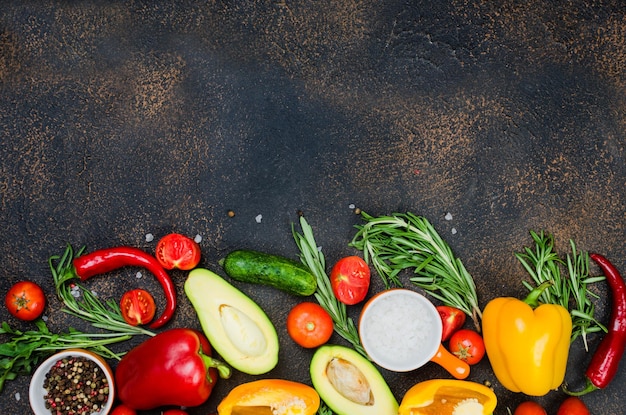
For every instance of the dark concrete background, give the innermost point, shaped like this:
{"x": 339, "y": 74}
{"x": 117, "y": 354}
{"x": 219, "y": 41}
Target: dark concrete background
{"x": 130, "y": 118}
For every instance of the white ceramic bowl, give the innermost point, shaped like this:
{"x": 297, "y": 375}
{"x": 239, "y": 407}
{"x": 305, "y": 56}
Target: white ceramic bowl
{"x": 37, "y": 391}
{"x": 400, "y": 329}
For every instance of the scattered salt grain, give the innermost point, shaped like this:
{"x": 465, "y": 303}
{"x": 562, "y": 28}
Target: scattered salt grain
{"x": 95, "y": 294}
{"x": 138, "y": 275}
{"x": 258, "y": 218}
{"x": 149, "y": 237}
{"x": 453, "y": 231}
{"x": 75, "y": 291}
{"x": 44, "y": 318}
{"x": 351, "y": 206}
{"x": 17, "y": 396}
{"x": 198, "y": 238}
{"x": 448, "y": 216}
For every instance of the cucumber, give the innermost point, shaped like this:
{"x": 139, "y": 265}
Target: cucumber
{"x": 261, "y": 268}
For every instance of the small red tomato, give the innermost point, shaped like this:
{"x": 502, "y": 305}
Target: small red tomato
{"x": 452, "y": 319}
{"x": 350, "y": 280}
{"x": 25, "y": 300}
{"x": 529, "y": 408}
{"x": 137, "y": 307}
{"x": 467, "y": 345}
{"x": 123, "y": 410}
{"x": 309, "y": 325}
{"x": 175, "y": 412}
{"x": 176, "y": 251}
{"x": 573, "y": 406}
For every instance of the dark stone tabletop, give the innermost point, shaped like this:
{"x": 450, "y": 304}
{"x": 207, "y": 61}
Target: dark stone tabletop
{"x": 122, "y": 119}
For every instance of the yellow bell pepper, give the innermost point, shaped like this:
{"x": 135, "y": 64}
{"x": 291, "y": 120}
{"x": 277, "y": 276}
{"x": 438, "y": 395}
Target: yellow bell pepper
{"x": 527, "y": 343}
{"x": 270, "y": 396}
{"x": 448, "y": 397}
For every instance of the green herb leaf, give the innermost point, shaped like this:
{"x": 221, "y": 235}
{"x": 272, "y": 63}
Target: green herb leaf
{"x": 314, "y": 259}
{"x": 394, "y": 243}
{"x": 544, "y": 264}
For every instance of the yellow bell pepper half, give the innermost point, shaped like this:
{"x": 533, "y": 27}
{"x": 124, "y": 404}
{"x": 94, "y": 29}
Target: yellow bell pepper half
{"x": 527, "y": 343}
{"x": 448, "y": 397}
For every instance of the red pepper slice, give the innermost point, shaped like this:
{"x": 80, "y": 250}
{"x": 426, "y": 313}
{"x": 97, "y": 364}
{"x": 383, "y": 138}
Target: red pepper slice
{"x": 110, "y": 259}
{"x": 605, "y": 361}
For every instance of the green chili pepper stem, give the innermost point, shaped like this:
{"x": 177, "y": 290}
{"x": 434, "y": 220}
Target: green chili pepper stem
{"x": 589, "y": 387}
{"x": 222, "y": 368}
{"x": 533, "y": 297}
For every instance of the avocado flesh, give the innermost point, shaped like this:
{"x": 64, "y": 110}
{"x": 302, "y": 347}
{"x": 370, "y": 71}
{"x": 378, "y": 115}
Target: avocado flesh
{"x": 237, "y": 328}
{"x": 330, "y": 362}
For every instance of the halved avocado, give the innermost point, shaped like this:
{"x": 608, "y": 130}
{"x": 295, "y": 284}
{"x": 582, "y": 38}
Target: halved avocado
{"x": 237, "y": 328}
{"x": 349, "y": 383}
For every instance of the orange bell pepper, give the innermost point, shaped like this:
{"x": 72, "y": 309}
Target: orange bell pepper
{"x": 271, "y": 396}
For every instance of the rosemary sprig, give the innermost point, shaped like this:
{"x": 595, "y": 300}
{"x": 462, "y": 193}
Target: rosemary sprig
{"x": 404, "y": 241}
{"x": 314, "y": 259}
{"x": 544, "y": 264}
{"x": 86, "y": 305}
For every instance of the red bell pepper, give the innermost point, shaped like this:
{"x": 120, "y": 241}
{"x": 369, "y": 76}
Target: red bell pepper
{"x": 172, "y": 368}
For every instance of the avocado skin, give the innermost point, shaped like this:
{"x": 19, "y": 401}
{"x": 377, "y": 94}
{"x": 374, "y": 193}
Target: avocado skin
{"x": 384, "y": 401}
{"x": 207, "y": 292}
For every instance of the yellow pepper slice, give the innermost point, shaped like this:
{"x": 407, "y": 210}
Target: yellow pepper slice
{"x": 448, "y": 397}
{"x": 526, "y": 343}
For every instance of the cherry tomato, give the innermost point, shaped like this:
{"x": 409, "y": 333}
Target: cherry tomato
{"x": 350, "y": 280}
{"x": 573, "y": 406}
{"x": 175, "y": 412}
{"x": 467, "y": 345}
{"x": 176, "y": 251}
{"x": 137, "y": 307}
{"x": 452, "y": 319}
{"x": 309, "y": 325}
{"x": 123, "y": 410}
{"x": 529, "y": 408}
{"x": 25, "y": 300}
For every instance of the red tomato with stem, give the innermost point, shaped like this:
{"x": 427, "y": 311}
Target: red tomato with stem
{"x": 573, "y": 406}
{"x": 123, "y": 410}
{"x": 350, "y": 280}
{"x": 452, "y": 319}
{"x": 25, "y": 300}
{"x": 137, "y": 307}
{"x": 176, "y": 251}
{"x": 467, "y": 345}
{"x": 309, "y": 325}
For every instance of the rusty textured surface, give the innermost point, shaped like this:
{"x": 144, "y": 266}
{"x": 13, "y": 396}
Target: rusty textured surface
{"x": 130, "y": 118}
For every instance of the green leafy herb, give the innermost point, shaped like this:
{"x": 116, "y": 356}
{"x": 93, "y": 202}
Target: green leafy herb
{"x": 544, "y": 264}
{"x": 81, "y": 302}
{"x": 407, "y": 241}
{"x": 26, "y": 349}
{"x": 324, "y": 409}
{"x": 313, "y": 258}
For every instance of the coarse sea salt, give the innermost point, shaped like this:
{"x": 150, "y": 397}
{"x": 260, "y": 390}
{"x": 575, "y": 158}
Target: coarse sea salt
{"x": 399, "y": 329}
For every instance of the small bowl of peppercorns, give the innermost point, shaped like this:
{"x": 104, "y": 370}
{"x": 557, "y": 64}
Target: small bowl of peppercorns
{"x": 72, "y": 382}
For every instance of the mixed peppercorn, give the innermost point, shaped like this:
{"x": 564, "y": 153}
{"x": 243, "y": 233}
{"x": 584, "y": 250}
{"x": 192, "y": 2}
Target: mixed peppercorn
{"x": 75, "y": 386}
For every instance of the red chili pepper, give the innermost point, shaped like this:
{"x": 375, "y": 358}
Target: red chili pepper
{"x": 109, "y": 259}
{"x": 172, "y": 368}
{"x": 606, "y": 359}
